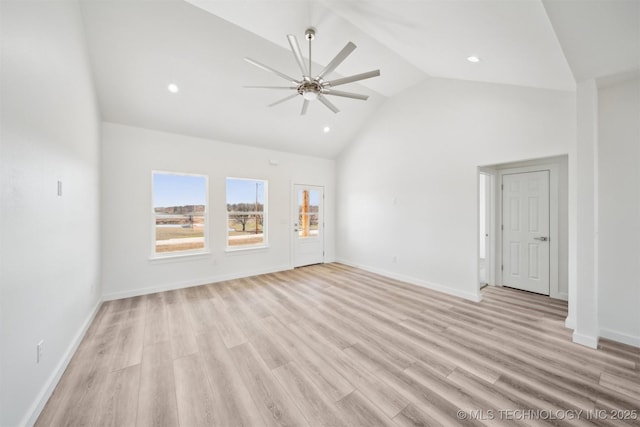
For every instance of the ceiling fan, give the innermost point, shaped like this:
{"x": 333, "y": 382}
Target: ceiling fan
{"x": 312, "y": 88}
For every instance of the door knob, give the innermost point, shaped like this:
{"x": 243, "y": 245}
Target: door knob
{"x": 542, "y": 239}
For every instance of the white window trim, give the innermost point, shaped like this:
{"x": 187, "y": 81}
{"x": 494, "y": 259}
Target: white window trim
{"x": 155, "y": 256}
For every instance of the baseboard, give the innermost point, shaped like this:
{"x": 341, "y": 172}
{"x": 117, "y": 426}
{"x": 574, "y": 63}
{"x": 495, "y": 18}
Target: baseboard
{"x": 41, "y": 399}
{"x": 560, "y": 295}
{"x": 585, "y": 340}
{"x": 620, "y": 337}
{"x": 570, "y": 323}
{"x": 475, "y": 297}
{"x": 190, "y": 283}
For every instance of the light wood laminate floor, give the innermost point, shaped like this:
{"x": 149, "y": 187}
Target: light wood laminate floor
{"x": 331, "y": 345}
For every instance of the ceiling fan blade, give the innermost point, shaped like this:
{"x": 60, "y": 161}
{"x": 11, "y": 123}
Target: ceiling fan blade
{"x": 284, "y": 99}
{"x": 345, "y": 94}
{"x": 297, "y": 53}
{"x": 269, "y": 87}
{"x": 328, "y": 103}
{"x": 267, "y": 68}
{"x": 354, "y": 78}
{"x": 341, "y": 56}
{"x": 305, "y": 105}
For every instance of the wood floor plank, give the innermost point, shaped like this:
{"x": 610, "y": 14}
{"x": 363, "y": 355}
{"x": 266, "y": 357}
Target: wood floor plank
{"x": 412, "y": 416}
{"x": 359, "y": 411}
{"x": 424, "y": 398}
{"x": 500, "y": 399}
{"x": 390, "y": 401}
{"x": 325, "y": 378}
{"x": 201, "y": 315}
{"x": 87, "y": 379}
{"x": 129, "y": 345}
{"x": 628, "y": 386}
{"x": 334, "y": 345}
{"x": 226, "y": 325}
{"x": 232, "y": 401}
{"x": 462, "y": 399}
{"x": 157, "y": 395}
{"x": 193, "y": 394}
{"x": 273, "y": 402}
{"x": 183, "y": 340}
{"x": 119, "y": 404}
{"x": 316, "y": 406}
{"x": 156, "y": 326}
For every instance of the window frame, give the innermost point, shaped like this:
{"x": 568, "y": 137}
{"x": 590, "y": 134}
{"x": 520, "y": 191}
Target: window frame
{"x": 182, "y": 253}
{"x": 265, "y": 218}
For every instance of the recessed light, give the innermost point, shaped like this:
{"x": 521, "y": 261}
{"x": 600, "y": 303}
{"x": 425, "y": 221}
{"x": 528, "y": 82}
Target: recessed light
{"x": 173, "y": 88}
{"x": 473, "y": 59}
{"x": 326, "y": 129}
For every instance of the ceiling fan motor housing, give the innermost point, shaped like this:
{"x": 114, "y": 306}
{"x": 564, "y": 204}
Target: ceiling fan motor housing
{"x": 309, "y": 89}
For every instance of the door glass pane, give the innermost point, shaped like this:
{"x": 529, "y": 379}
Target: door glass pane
{"x": 308, "y": 208}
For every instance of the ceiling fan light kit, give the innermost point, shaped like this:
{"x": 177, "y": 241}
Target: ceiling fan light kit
{"x": 312, "y": 88}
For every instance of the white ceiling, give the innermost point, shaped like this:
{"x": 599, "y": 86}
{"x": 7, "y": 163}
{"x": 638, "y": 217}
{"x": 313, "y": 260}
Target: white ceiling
{"x": 599, "y": 38}
{"x": 138, "y": 47}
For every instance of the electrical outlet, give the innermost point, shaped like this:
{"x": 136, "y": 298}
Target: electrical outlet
{"x": 39, "y": 351}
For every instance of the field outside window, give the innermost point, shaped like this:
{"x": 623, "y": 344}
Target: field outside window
{"x": 246, "y": 213}
{"x": 179, "y": 211}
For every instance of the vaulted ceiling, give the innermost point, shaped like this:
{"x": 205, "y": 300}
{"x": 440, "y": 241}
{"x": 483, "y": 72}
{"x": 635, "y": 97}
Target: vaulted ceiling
{"x": 137, "y": 48}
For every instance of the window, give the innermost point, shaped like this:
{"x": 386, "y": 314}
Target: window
{"x": 180, "y": 213}
{"x": 246, "y": 213}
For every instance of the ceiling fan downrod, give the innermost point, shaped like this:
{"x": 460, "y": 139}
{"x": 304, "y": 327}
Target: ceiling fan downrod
{"x": 310, "y": 34}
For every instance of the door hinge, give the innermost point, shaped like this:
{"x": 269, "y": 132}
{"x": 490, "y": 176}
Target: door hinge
{"x": 502, "y": 227}
{"x": 502, "y": 268}
{"x": 502, "y": 186}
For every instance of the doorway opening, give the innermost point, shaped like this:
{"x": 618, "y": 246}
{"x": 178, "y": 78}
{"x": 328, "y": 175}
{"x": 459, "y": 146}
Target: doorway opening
{"x": 485, "y": 215}
{"x": 523, "y": 226}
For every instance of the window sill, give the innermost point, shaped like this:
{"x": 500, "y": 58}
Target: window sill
{"x": 247, "y": 249}
{"x": 184, "y": 256}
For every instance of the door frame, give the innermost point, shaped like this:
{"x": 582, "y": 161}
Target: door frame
{"x": 554, "y": 271}
{"x": 293, "y": 209}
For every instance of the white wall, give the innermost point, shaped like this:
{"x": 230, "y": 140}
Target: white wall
{"x": 583, "y": 217}
{"x": 130, "y": 154}
{"x": 408, "y": 183}
{"x": 49, "y": 250}
{"x": 619, "y": 211}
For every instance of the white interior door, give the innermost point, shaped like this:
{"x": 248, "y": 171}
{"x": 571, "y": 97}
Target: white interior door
{"x": 308, "y": 229}
{"x": 525, "y": 238}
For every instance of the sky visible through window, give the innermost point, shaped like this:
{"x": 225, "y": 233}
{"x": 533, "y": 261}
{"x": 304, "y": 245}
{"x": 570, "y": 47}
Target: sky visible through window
{"x": 244, "y": 191}
{"x": 178, "y": 190}
{"x": 314, "y": 198}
